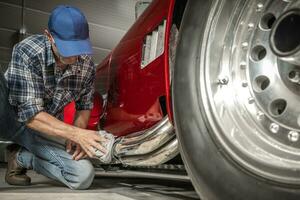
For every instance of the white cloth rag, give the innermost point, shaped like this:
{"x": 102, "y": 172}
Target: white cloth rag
{"x": 108, "y": 145}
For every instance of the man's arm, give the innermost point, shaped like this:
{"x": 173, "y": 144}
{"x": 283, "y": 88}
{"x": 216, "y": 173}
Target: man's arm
{"x": 84, "y": 105}
{"x": 49, "y": 125}
{"x": 81, "y": 120}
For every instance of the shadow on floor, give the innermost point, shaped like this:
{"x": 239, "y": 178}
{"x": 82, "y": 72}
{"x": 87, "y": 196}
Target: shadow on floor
{"x": 101, "y": 189}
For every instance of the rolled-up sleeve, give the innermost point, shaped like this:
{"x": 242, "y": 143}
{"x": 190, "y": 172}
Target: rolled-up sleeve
{"x": 85, "y": 102}
{"x": 26, "y": 87}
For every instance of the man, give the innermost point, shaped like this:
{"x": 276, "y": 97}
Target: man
{"x": 46, "y": 73}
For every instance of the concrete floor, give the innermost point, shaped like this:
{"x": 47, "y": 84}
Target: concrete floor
{"x": 103, "y": 188}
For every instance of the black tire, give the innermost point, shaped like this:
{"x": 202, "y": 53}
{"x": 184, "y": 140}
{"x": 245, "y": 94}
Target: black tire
{"x": 214, "y": 175}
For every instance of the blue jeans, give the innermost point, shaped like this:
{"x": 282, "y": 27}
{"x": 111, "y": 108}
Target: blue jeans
{"x": 51, "y": 159}
{"x": 42, "y": 155}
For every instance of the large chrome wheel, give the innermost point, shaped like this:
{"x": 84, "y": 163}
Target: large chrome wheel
{"x": 237, "y": 99}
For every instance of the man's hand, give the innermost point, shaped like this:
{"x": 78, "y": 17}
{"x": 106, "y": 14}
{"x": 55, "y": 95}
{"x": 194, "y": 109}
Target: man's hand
{"x": 86, "y": 141}
{"x": 49, "y": 125}
{"x": 89, "y": 140}
{"x": 76, "y": 150}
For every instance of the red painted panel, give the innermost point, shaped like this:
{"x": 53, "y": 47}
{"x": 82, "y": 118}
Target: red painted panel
{"x": 133, "y": 96}
{"x": 69, "y": 113}
{"x": 133, "y": 93}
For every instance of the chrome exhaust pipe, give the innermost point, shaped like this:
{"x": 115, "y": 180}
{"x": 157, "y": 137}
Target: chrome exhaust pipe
{"x": 148, "y": 148}
{"x": 145, "y": 141}
{"x": 285, "y": 36}
{"x": 160, "y": 156}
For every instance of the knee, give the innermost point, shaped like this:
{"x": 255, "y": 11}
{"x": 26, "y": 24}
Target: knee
{"x": 84, "y": 173}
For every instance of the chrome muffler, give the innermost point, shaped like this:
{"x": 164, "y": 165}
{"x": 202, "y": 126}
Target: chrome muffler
{"x": 151, "y": 147}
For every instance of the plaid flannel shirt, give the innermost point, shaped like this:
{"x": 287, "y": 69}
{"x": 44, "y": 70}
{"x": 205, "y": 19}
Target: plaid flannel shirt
{"x": 36, "y": 84}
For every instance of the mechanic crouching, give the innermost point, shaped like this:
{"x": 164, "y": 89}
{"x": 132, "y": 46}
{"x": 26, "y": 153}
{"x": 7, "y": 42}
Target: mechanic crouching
{"x": 46, "y": 73}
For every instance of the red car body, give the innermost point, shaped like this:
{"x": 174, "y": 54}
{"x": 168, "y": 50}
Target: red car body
{"x": 134, "y": 94}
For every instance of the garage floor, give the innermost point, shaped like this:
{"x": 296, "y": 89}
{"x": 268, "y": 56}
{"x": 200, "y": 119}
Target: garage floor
{"x": 103, "y": 188}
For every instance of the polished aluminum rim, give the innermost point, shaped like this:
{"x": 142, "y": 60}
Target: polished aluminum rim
{"x": 251, "y": 97}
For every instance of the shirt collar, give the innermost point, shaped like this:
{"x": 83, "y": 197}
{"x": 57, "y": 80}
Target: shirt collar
{"x": 50, "y": 57}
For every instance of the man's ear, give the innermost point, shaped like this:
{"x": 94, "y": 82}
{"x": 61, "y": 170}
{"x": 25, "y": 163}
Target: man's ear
{"x": 48, "y": 34}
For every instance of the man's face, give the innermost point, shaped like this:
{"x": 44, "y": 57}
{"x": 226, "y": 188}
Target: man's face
{"x": 63, "y": 60}
{"x": 68, "y": 60}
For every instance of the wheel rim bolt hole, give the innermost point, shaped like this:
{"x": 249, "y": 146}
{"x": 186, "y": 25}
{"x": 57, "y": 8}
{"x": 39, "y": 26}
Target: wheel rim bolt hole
{"x": 277, "y": 107}
{"x": 294, "y": 76}
{"x": 261, "y": 83}
{"x": 258, "y": 53}
{"x": 267, "y": 21}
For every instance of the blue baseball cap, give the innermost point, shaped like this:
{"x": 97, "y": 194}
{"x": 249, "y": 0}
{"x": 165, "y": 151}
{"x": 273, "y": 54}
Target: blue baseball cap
{"x": 69, "y": 28}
